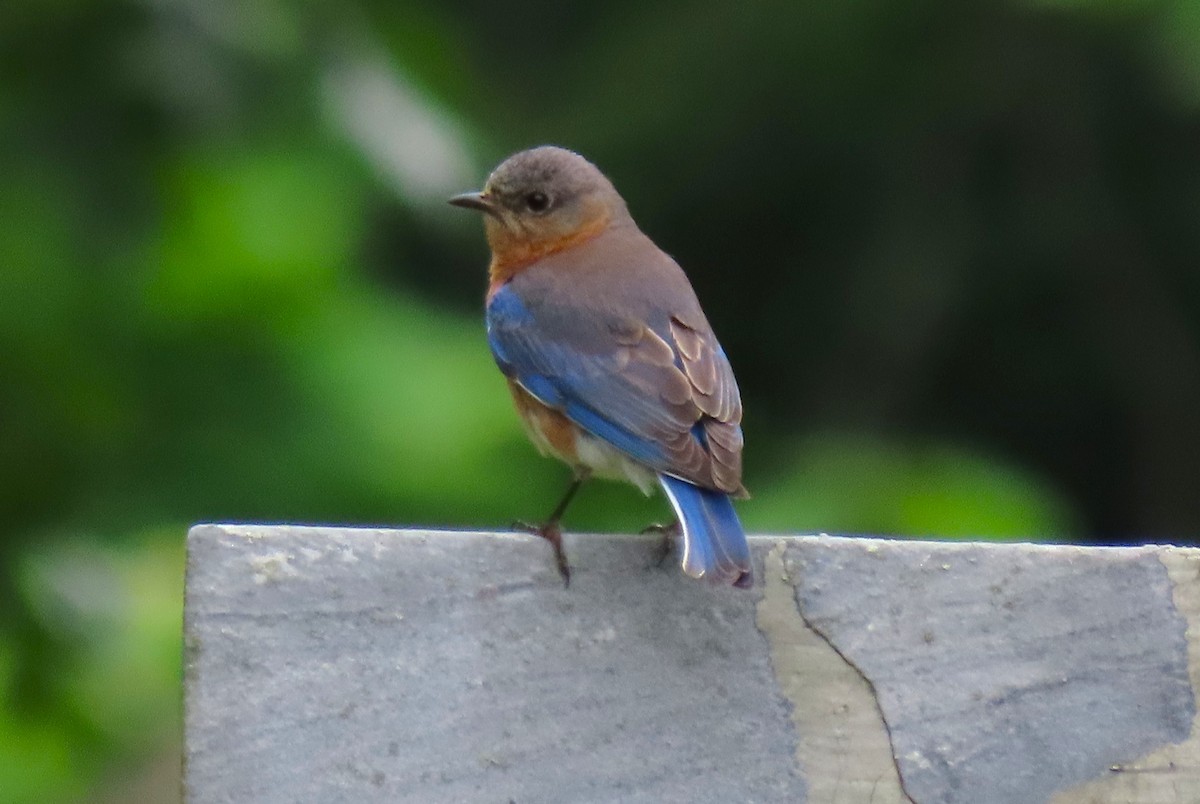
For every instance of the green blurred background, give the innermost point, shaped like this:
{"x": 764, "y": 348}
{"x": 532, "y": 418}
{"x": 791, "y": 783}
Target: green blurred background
{"x": 953, "y": 250}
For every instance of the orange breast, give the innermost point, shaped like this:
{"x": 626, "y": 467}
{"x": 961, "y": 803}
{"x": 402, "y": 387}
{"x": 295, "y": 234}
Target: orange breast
{"x": 552, "y": 432}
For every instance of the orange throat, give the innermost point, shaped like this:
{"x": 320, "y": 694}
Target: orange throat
{"x": 511, "y": 254}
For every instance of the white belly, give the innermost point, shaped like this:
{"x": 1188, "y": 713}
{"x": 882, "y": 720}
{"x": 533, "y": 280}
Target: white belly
{"x": 605, "y": 460}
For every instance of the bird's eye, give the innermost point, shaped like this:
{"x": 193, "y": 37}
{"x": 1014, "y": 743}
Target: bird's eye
{"x": 537, "y": 202}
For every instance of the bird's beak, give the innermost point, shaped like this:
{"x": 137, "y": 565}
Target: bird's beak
{"x": 478, "y": 201}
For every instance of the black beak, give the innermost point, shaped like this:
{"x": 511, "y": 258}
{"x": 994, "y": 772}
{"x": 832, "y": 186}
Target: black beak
{"x": 477, "y": 201}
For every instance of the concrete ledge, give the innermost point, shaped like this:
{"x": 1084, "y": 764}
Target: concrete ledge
{"x": 331, "y": 665}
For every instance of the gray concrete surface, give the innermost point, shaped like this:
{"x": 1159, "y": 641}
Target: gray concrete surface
{"x": 344, "y": 665}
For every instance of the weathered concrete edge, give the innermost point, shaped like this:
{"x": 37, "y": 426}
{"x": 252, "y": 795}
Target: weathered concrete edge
{"x": 762, "y": 541}
{"x": 1126, "y": 783}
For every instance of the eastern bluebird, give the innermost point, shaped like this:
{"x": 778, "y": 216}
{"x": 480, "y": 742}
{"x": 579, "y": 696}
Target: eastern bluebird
{"x": 613, "y": 367}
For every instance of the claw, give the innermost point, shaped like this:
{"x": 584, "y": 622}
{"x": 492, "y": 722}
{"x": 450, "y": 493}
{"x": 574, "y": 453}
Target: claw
{"x": 552, "y": 533}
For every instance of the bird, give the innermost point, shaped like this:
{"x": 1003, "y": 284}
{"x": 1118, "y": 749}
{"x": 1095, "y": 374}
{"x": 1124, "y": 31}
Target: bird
{"x": 612, "y": 365}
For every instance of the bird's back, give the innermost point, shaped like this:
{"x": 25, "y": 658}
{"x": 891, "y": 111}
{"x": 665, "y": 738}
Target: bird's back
{"x": 617, "y": 274}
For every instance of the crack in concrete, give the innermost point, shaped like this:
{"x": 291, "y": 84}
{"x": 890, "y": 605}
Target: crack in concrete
{"x": 887, "y": 727}
{"x": 844, "y": 755}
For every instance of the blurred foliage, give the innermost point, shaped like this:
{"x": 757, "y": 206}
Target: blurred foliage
{"x": 951, "y": 248}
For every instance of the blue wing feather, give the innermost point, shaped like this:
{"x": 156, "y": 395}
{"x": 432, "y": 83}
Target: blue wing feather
{"x": 640, "y": 449}
{"x": 564, "y": 377}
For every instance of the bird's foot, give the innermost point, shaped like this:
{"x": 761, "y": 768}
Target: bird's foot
{"x": 552, "y": 533}
{"x": 669, "y": 534}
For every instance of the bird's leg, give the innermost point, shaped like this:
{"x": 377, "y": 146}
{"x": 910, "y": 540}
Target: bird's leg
{"x": 550, "y": 530}
{"x": 669, "y": 534}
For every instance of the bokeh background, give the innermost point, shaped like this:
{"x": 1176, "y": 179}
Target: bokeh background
{"x": 953, "y": 250}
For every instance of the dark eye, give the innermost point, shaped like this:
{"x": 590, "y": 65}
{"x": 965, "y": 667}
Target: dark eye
{"x": 537, "y": 201}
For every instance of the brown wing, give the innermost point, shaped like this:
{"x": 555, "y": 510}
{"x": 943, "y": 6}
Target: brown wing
{"x": 714, "y": 392}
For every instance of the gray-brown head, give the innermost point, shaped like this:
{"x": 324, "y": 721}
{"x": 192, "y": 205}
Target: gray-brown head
{"x": 542, "y": 198}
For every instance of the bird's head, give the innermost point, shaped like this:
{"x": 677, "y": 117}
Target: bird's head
{"x": 544, "y": 198}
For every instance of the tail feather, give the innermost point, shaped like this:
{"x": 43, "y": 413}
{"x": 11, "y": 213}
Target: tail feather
{"x": 714, "y": 544}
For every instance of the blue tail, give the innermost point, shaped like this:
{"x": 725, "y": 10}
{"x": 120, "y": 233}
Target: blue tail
{"x": 714, "y": 544}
